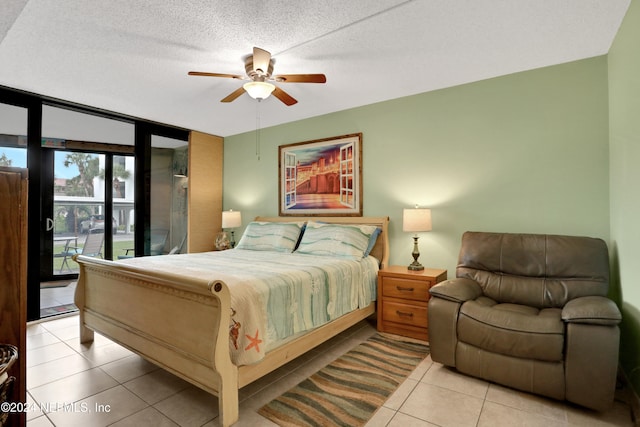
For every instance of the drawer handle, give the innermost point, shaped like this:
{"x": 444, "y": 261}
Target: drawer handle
{"x": 400, "y": 288}
{"x": 404, "y": 313}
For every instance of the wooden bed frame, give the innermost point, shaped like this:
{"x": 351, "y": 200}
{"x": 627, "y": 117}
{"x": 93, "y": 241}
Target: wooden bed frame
{"x": 182, "y": 324}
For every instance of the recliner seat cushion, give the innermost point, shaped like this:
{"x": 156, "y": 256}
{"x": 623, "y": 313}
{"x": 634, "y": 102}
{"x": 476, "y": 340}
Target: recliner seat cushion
{"x": 512, "y": 329}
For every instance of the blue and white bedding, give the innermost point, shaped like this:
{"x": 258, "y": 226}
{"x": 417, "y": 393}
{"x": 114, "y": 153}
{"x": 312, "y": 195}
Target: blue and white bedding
{"x": 276, "y": 295}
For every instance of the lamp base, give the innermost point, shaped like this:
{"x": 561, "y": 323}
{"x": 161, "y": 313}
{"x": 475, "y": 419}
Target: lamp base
{"x": 415, "y": 266}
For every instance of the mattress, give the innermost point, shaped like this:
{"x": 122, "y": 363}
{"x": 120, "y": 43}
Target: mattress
{"x": 274, "y": 295}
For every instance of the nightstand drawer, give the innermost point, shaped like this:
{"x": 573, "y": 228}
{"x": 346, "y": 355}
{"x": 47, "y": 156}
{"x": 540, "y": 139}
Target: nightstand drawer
{"x": 405, "y": 288}
{"x": 406, "y": 314}
{"x": 403, "y": 297}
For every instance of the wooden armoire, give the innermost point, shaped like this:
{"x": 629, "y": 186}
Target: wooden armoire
{"x": 206, "y": 153}
{"x": 13, "y": 277}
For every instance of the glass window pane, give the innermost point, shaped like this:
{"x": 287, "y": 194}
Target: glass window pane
{"x": 123, "y": 206}
{"x": 13, "y": 136}
{"x": 78, "y": 205}
{"x": 59, "y": 123}
{"x": 169, "y": 186}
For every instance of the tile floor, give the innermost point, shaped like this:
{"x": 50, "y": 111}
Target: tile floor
{"x": 106, "y": 385}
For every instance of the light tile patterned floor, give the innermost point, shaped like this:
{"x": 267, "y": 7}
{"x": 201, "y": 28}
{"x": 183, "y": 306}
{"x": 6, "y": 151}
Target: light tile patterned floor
{"x": 110, "y": 386}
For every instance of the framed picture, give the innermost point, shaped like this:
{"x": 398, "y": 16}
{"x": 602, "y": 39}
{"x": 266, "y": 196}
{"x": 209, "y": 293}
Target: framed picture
{"x": 321, "y": 177}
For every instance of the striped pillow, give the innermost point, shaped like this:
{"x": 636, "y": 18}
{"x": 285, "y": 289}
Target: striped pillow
{"x": 346, "y": 241}
{"x": 270, "y": 236}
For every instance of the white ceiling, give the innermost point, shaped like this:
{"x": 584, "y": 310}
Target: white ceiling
{"x": 132, "y": 57}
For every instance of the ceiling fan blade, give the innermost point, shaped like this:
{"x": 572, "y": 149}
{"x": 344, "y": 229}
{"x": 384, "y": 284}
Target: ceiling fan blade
{"x": 233, "y": 95}
{"x": 284, "y": 96}
{"x": 301, "y": 78}
{"x": 261, "y": 59}
{"x": 229, "y": 76}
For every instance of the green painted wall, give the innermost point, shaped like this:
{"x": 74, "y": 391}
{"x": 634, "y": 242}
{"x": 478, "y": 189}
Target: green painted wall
{"x": 526, "y": 152}
{"x": 554, "y": 150}
{"x": 624, "y": 135}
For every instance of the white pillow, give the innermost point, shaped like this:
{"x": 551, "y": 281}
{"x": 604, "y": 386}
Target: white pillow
{"x": 339, "y": 240}
{"x": 270, "y": 236}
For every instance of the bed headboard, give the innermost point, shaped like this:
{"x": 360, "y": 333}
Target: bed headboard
{"x": 380, "y": 250}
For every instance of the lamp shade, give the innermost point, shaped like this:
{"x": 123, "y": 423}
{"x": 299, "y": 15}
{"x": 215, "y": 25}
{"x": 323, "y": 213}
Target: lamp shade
{"x": 231, "y": 219}
{"x": 416, "y": 220}
{"x": 259, "y": 90}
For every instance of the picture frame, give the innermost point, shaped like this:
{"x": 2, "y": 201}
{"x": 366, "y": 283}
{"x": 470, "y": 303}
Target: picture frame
{"x": 322, "y": 177}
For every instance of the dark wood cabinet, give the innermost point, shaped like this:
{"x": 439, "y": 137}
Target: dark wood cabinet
{"x": 13, "y": 277}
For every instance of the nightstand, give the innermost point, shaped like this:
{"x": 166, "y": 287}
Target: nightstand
{"x": 403, "y": 296}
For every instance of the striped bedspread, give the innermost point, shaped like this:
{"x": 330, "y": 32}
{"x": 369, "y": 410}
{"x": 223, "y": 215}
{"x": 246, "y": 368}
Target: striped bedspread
{"x": 276, "y": 295}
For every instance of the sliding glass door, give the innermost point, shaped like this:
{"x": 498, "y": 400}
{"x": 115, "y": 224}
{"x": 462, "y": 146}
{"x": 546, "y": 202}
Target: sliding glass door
{"x": 78, "y": 207}
{"x": 87, "y": 197}
{"x": 123, "y": 198}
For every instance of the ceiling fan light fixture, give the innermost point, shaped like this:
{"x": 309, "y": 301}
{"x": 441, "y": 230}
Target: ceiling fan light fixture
{"x": 258, "y": 87}
{"x": 259, "y": 90}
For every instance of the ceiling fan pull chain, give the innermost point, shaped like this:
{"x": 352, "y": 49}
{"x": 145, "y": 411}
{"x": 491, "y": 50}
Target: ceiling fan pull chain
{"x": 258, "y": 130}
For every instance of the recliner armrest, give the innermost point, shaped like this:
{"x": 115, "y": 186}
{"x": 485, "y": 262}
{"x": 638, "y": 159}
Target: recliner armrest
{"x": 457, "y": 290}
{"x": 592, "y": 309}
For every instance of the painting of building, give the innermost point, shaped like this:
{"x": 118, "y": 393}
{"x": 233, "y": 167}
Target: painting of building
{"x": 321, "y": 177}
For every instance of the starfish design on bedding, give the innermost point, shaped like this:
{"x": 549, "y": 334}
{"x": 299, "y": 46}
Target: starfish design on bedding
{"x": 234, "y": 330}
{"x": 255, "y": 342}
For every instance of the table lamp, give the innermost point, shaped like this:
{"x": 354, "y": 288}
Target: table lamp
{"x": 231, "y": 219}
{"x": 416, "y": 220}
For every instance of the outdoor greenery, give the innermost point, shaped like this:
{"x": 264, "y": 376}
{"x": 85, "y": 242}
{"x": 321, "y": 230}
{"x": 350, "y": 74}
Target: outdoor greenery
{"x": 119, "y": 248}
{"x": 119, "y": 172}
{"x": 4, "y": 160}
{"x": 88, "y": 168}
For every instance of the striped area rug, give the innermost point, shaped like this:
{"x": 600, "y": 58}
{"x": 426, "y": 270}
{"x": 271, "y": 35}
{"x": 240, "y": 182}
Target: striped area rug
{"x": 349, "y": 390}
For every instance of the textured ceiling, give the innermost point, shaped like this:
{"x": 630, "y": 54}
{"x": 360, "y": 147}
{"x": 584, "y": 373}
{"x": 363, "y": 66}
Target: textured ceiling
{"x": 132, "y": 57}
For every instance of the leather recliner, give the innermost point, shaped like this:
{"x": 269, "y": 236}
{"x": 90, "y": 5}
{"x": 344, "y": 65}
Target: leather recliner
{"x": 530, "y": 312}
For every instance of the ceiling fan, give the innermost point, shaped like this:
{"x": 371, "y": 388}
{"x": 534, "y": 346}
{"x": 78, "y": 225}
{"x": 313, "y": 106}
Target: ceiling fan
{"x": 259, "y": 68}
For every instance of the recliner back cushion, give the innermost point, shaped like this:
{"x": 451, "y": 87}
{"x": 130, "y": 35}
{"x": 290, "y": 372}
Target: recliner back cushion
{"x": 534, "y": 269}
